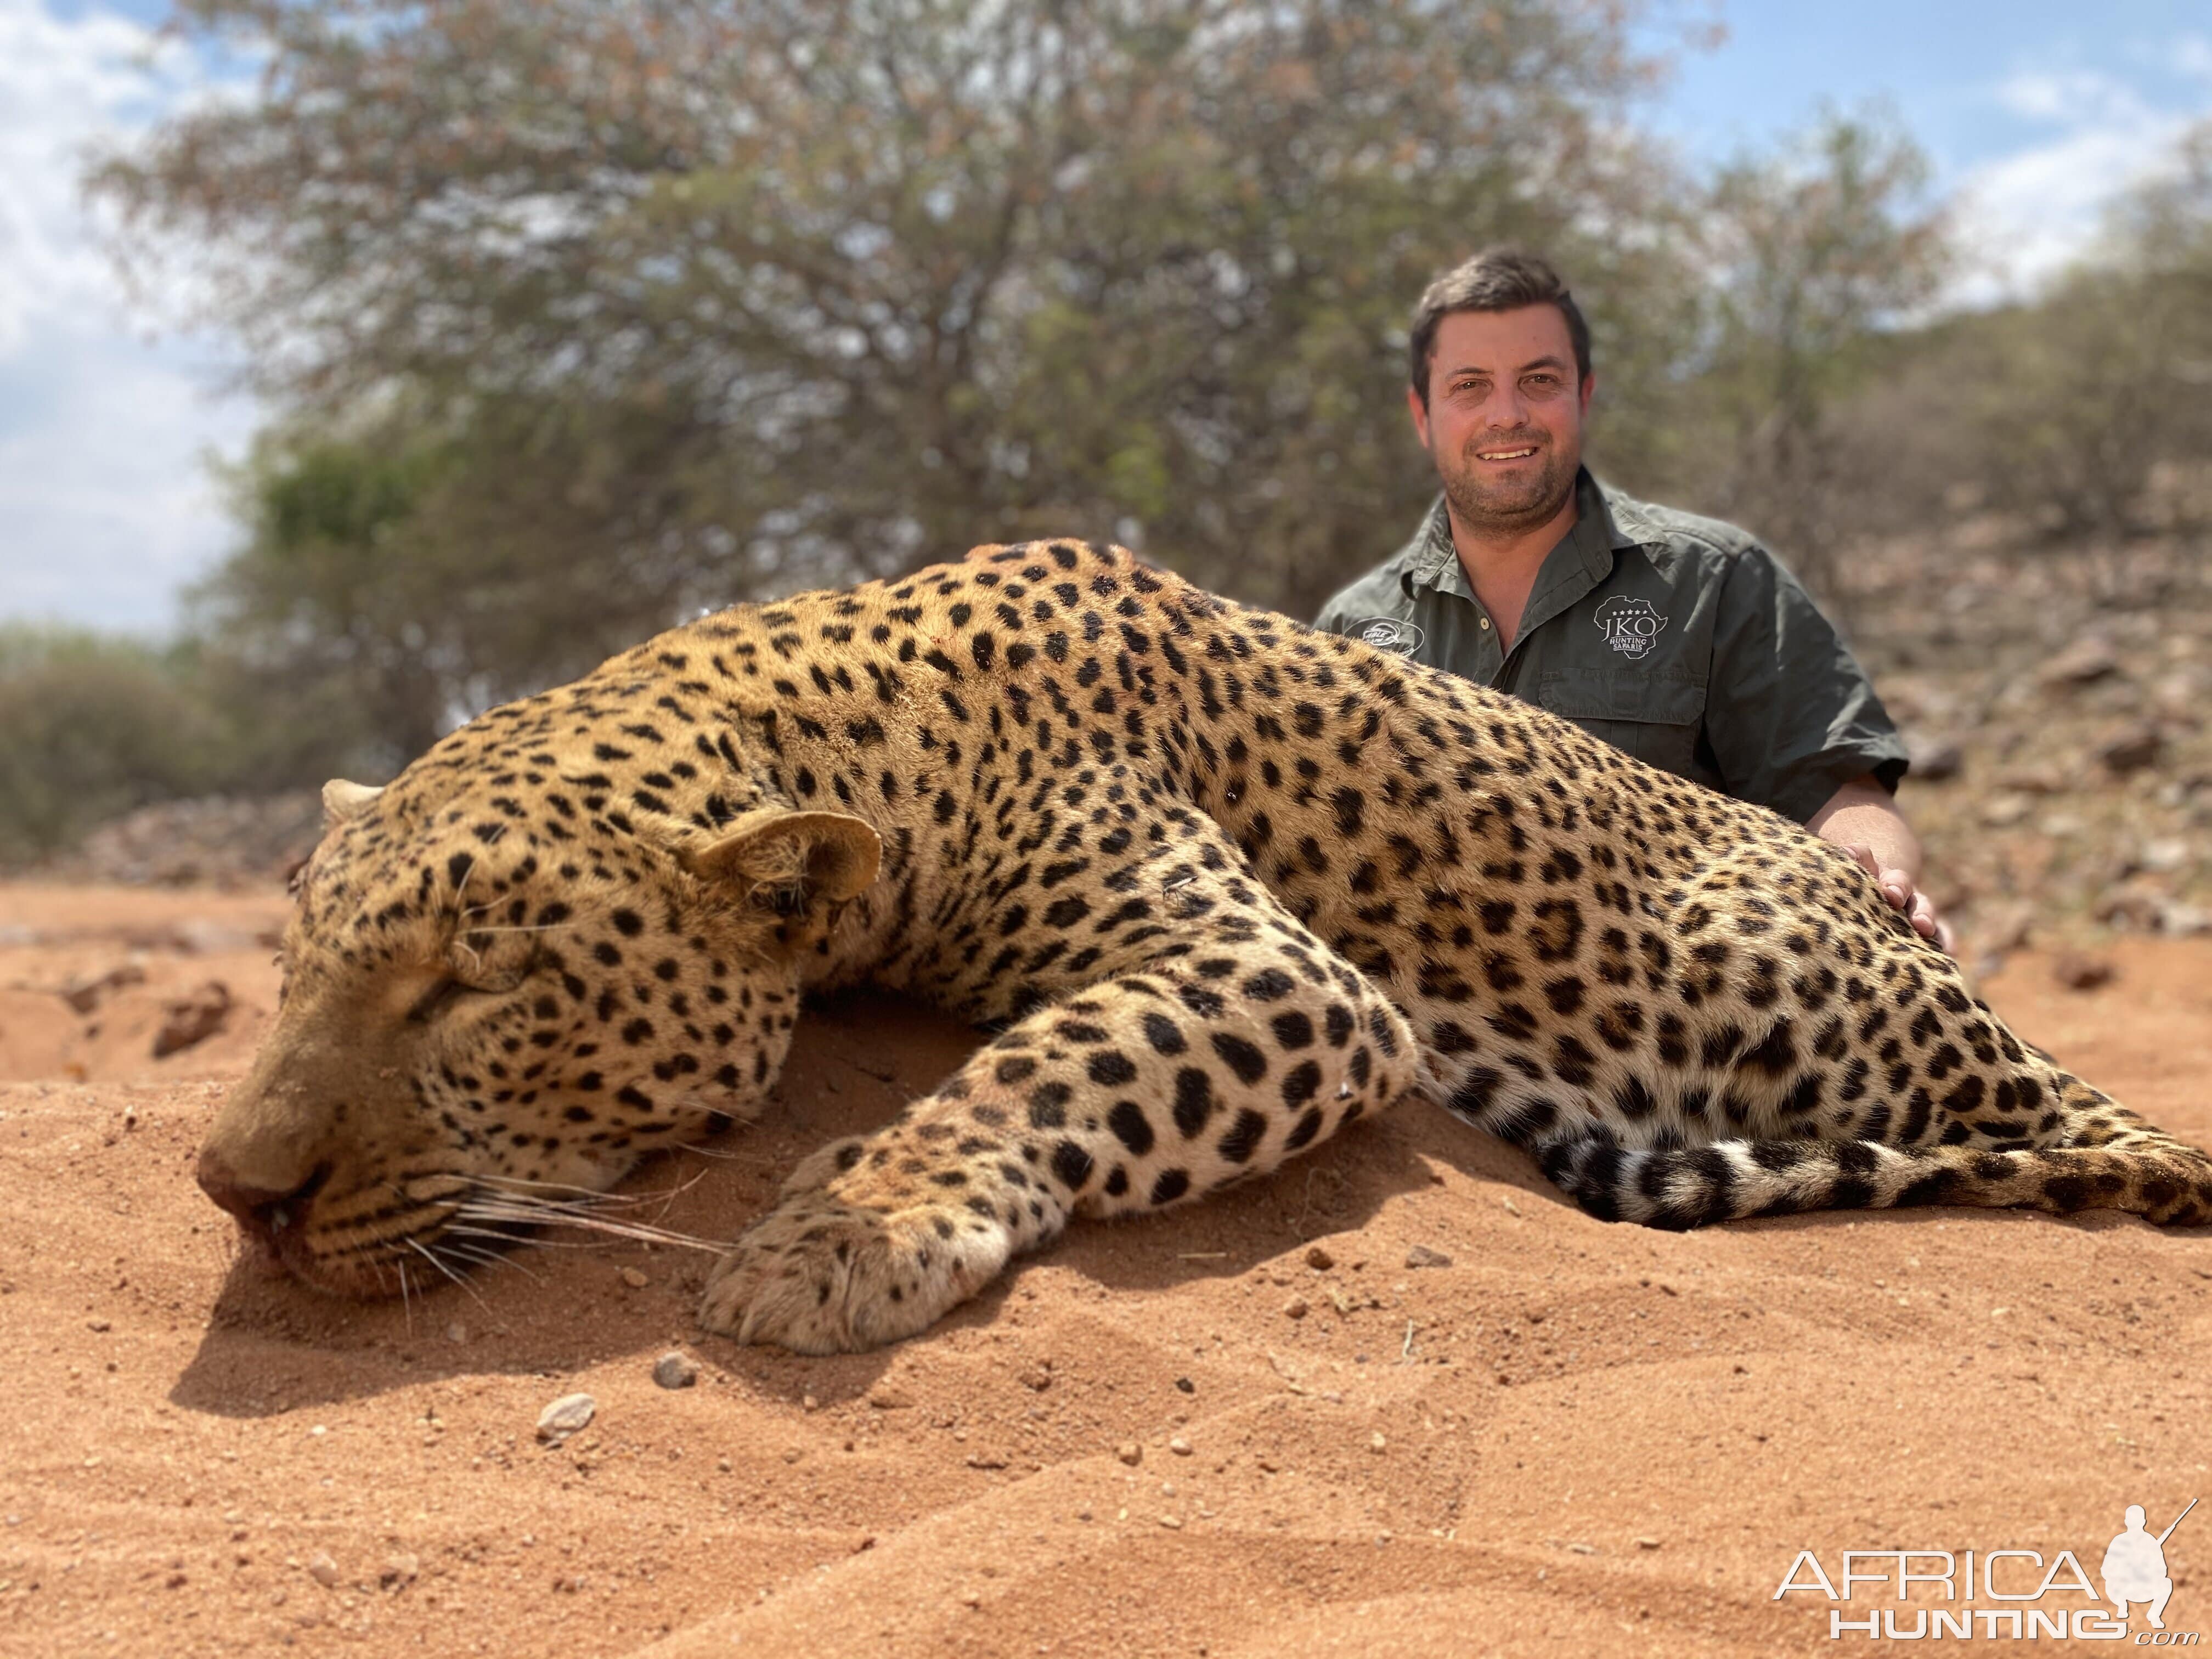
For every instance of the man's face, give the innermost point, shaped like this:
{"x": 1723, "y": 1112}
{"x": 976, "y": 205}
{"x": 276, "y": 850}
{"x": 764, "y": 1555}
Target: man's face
{"x": 1503, "y": 421}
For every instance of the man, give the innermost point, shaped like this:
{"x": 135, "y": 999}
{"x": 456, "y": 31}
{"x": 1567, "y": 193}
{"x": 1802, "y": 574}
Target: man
{"x": 1677, "y": 638}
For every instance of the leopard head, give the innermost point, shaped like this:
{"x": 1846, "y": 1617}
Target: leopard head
{"x": 493, "y": 989}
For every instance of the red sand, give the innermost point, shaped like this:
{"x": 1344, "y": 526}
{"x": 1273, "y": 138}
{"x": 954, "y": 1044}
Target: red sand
{"x": 1577, "y": 1437}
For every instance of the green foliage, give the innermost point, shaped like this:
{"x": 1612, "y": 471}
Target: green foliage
{"x": 703, "y": 299}
{"x": 1816, "y": 252}
{"x": 91, "y": 728}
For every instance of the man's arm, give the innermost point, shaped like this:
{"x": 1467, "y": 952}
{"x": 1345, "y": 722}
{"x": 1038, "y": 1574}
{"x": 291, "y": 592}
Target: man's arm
{"x": 1862, "y": 818}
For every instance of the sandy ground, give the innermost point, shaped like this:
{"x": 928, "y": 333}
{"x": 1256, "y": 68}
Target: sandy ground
{"x": 1172, "y": 1437}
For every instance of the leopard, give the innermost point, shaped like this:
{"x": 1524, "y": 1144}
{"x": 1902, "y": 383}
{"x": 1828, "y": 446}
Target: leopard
{"x": 1212, "y": 886}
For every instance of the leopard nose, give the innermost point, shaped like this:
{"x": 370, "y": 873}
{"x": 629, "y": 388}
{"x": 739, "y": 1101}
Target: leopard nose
{"x": 259, "y": 1207}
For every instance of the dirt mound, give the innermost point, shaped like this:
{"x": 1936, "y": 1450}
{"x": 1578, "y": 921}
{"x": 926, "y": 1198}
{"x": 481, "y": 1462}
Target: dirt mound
{"x": 220, "y": 840}
{"x": 1192, "y": 1434}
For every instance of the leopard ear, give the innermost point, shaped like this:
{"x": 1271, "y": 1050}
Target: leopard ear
{"x": 793, "y": 864}
{"x": 342, "y": 800}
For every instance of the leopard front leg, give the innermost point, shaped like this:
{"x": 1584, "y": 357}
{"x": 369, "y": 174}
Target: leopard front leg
{"x": 1148, "y": 1089}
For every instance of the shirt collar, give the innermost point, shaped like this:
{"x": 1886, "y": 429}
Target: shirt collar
{"x": 1604, "y": 525}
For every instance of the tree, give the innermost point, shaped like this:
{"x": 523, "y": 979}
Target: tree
{"x": 696, "y": 301}
{"x": 1818, "y": 250}
{"x": 91, "y": 728}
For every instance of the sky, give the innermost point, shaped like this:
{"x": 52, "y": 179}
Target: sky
{"x": 2034, "y": 114}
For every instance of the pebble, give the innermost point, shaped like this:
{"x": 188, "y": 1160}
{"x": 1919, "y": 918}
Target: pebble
{"x": 1422, "y": 1257}
{"x": 565, "y": 1416}
{"x": 400, "y": 1572}
{"x": 1318, "y": 1259}
{"x": 1173, "y": 1523}
{"x": 2080, "y": 972}
{"x": 192, "y": 1018}
{"x": 890, "y": 1399}
{"x": 323, "y": 1570}
{"x": 457, "y": 1333}
{"x": 1295, "y": 1308}
{"x": 634, "y": 1278}
{"x": 1130, "y": 1453}
{"x": 1647, "y": 1543}
{"x": 1179, "y": 1446}
{"x": 675, "y": 1371}
{"x": 1376, "y": 1443}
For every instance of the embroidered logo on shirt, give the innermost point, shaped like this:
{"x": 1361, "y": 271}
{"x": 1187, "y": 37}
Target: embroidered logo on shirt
{"x": 1630, "y": 626}
{"x": 1389, "y": 634}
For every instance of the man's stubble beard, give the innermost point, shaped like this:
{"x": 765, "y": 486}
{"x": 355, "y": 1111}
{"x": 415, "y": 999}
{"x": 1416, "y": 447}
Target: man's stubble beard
{"x": 1512, "y": 511}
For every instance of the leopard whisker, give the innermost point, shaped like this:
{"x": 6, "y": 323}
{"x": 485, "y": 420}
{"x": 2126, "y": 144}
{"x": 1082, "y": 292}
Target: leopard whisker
{"x": 420, "y": 1249}
{"x": 518, "y": 1238}
{"x": 470, "y": 1253}
{"x": 550, "y": 1217}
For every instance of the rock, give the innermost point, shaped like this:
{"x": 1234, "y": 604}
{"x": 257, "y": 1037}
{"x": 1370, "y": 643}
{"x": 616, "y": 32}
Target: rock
{"x": 632, "y": 1278}
{"x": 1179, "y": 1446}
{"x": 565, "y": 1416}
{"x": 2132, "y": 749}
{"x": 193, "y": 1019}
{"x": 2077, "y": 972}
{"x": 1319, "y": 1259}
{"x": 2167, "y": 854}
{"x": 86, "y": 991}
{"x": 212, "y": 839}
{"x": 2131, "y": 908}
{"x": 1376, "y": 1443}
{"x": 1935, "y": 760}
{"x": 1130, "y": 1453}
{"x": 323, "y": 1570}
{"x": 2005, "y": 926}
{"x": 1038, "y": 1377}
{"x": 1295, "y": 1308}
{"x": 675, "y": 1371}
{"x": 2184, "y": 921}
{"x": 1647, "y": 1543}
{"x": 1422, "y": 1257}
{"x": 889, "y": 1397}
{"x": 2084, "y": 663}
{"x": 399, "y": 1571}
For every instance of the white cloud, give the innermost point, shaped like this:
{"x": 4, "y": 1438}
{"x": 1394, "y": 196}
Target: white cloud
{"x": 105, "y": 501}
{"x": 2026, "y": 216}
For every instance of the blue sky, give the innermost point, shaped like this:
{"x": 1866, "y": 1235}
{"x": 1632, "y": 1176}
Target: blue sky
{"x": 2035, "y": 113}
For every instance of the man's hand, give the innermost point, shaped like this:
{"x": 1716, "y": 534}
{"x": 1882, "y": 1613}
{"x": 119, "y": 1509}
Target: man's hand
{"x": 1862, "y": 819}
{"x": 1896, "y": 886}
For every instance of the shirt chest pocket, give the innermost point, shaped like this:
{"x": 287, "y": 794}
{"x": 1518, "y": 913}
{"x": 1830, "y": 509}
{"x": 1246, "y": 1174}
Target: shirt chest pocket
{"x": 1655, "y": 719}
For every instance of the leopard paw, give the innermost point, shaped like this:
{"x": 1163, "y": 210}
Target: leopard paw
{"x": 816, "y": 1276}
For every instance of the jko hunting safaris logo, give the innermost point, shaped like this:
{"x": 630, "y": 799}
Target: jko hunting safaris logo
{"x": 1389, "y": 634}
{"x": 2001, "y": 1594}
{"x": 1630, "y": 627}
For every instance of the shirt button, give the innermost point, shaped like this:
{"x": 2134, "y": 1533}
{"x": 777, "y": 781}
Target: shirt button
{"x": 1486, "y": 623}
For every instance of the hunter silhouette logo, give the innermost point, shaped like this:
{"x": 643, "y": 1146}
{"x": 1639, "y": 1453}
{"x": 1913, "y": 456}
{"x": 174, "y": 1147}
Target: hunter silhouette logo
{"x": 1389, "y": 634}
{"x": 1630, "y": 626}
{"x": 2135, "y": 1566}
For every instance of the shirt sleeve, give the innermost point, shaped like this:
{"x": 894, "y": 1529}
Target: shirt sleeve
{"x": 1790, "y": 715}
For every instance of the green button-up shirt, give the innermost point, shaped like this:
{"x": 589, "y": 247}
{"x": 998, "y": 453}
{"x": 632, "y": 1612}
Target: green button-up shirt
{"x": 1677, "y": 638}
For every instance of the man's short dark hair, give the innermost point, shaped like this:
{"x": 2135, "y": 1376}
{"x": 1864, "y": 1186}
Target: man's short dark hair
{"x": 1496, "y": 279}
